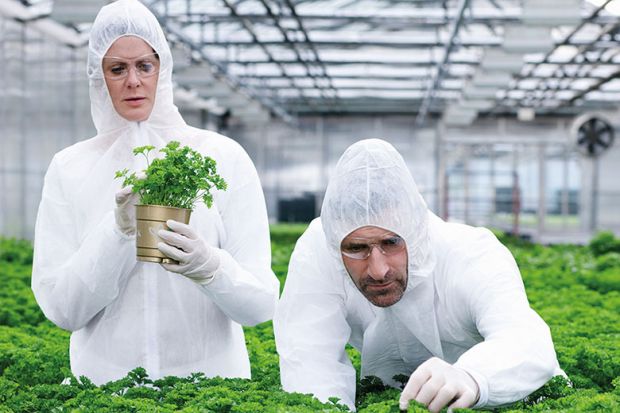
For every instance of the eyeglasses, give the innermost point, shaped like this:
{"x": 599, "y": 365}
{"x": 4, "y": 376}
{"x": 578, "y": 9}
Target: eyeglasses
{"x": 116, "y": 68}
{"x": 360, "y": 248}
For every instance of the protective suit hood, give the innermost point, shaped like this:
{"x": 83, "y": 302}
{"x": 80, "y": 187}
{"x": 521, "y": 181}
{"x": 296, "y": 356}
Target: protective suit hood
{"x": 372, "y": 185}
{"x": 128, "y": 18}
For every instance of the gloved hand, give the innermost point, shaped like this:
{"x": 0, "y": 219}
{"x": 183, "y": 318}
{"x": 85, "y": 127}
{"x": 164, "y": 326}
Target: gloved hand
{"x": 198, "y": 260}
{"x": 125, "y": 211}
{"x": 437, "y": 384}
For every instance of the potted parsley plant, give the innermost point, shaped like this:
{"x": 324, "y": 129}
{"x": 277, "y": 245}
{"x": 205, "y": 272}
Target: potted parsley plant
{"x": 171, "y": 187}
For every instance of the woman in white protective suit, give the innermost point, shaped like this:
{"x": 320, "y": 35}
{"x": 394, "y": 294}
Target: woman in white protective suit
{"x": 442, "y": 303}
{"x": 169, "y": 319}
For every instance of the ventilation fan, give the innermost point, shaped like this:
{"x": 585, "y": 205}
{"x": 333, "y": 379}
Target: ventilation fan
{"x": 593, "y": 134}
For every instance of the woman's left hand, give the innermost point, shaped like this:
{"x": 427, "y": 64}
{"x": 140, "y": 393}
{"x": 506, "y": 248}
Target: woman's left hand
{"x": 198, "y": 260}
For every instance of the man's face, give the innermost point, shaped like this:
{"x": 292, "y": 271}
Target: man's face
{"x": 376, "y": 260}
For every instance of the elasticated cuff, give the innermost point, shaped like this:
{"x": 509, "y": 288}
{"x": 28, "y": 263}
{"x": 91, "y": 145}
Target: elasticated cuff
{"x": 483, "y": 387}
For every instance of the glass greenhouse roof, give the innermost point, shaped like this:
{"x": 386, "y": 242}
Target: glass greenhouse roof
{"x": 419, "y": 57}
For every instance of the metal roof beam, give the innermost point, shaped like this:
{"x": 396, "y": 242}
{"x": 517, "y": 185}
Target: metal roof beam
{"x": 221, "y": 70}
{"x": 401, "y": 18}
{"x": 384, "y": 62}
{"x": 371, "y": 101}
{"x": 342, "y": 21}
{"x": 444, "y": 88}
{"x": 259, "y": 78}
{"x": 355, "y": 44}
{"x": 41, "y": 22}
{"x": 310, "y": 44}
{"x": 548, "y": 91}
{"x": 567, "y": 41}
{"x": 353, "y": 77}
{"x": 276, "y": 20}
{"x": 394, "y": 30}
{"x": 438, "y": 75}
{"x": 247, "y": 26}
{"x": 595, "y": 86}
{"x": 365, "y": 87}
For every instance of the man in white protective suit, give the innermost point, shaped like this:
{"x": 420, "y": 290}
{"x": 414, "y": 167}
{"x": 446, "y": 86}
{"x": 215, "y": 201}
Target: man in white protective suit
{"x": 441, "y": 303}
{"x": 169, "y": 319}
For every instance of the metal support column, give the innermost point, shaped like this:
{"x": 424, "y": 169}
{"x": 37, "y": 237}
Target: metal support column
{"x": 324, "y": 162}
{"x": 466, "y": 195}
{"x": 493, "y": 184}
{"x": 441, "y": 175}
{"x": 516, "y": 193}
{"x": 594, "y": 194}
{"x": 565, "y": 210}
{"x": 542, "y": 193}
{"x": 3, "y": 119}
{"x": 21, "y": 170}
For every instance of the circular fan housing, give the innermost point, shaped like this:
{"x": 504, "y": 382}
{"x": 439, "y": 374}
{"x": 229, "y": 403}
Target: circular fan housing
{"x": 593, "y": 135}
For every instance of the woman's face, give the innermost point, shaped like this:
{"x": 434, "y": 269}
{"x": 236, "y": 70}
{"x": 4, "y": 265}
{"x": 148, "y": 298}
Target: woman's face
{"x": 131, "y": 71}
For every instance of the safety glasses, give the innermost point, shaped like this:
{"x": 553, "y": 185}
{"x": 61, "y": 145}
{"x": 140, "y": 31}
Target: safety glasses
{"x": 360, "y": 248}
{"x": 116, "y": 68}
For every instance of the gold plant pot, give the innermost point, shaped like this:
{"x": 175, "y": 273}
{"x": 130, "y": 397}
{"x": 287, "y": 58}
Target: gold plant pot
{"x": 149, "y": 220}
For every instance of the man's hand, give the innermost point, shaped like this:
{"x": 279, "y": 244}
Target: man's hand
{"x": 438, "y": 384}
{"x": 198, "y": 260}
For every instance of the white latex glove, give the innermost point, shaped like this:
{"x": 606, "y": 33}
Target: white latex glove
{"x": 438, "y": 384}
{"x": 198, "y": 260}
{"x": 125, "y": 211}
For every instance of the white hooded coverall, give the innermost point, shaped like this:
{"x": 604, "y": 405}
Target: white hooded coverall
{"x": 124, "y": 313}
{"x": 465, "y": 301}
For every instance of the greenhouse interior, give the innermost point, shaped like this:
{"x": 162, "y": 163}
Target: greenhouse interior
{"x": 484, "y": 99}
{"x": 504, "y": 111}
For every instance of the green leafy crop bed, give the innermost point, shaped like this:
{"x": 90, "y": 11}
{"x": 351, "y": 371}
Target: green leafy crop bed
{"x": 575, "y": 289}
